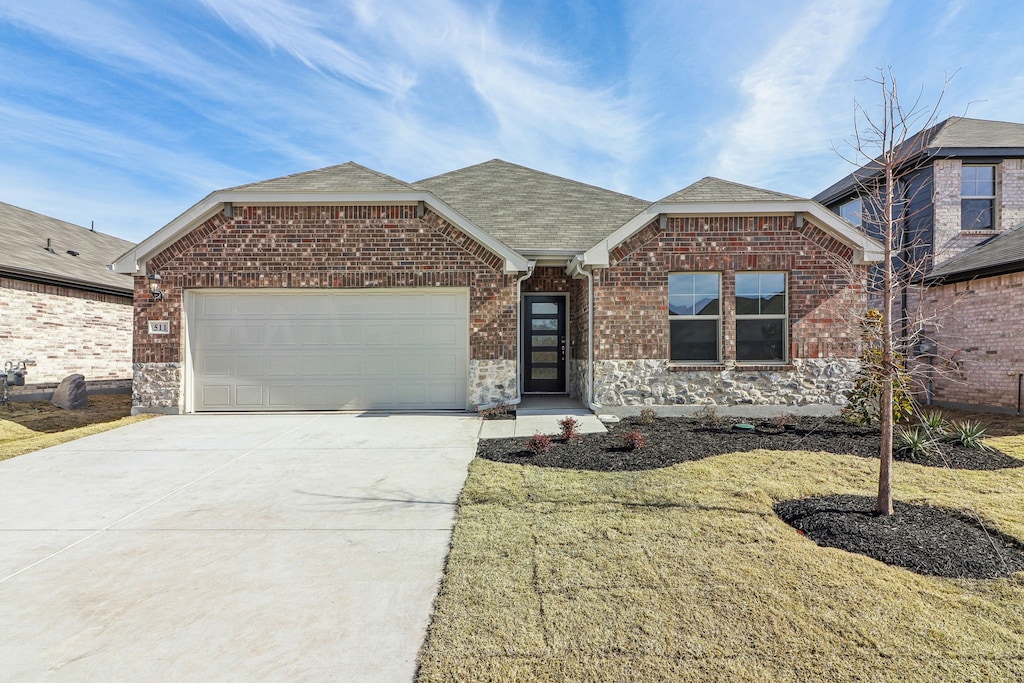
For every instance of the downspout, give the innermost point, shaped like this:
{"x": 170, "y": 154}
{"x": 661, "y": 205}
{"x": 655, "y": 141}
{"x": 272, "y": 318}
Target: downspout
{"x": 530, "y": 266}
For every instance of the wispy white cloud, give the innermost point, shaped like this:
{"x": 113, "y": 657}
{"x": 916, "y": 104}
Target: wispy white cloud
{"x": 784, "y": 117}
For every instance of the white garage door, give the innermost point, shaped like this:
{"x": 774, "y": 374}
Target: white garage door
{"x": 328, "y": 349}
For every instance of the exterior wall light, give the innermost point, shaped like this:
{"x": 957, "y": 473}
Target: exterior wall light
{"x": 154, "y": 286}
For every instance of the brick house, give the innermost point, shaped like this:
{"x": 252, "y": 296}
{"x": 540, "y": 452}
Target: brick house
{"x": 60, "y": 304}
{"x": 980, "y": 296}
{"x": 344, "y": 288}
{"x": 963, "y": 188}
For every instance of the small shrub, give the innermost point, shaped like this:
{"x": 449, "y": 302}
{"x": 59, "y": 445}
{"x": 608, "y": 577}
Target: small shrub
{"x": 570, "y": 429}
{"x": 499, "y": 411}
{"x": 971, "y": 434}
{"x": 648, "y": 416}
{"x": 914, "y": 440}
{"x": 709, "y": 417}
{"x": 539, "y": 444}
{"x": 863, "y": 402}
{"x": 633, "y": 439}
{"x": 935, "y": 423}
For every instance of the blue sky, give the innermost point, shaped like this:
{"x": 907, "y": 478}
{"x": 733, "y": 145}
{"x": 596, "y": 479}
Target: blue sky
{"x": 126, "y": 113}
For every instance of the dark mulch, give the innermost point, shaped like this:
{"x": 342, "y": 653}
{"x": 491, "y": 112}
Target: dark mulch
{"x": 672, "y": 440}
{"x": 926, "y": 540}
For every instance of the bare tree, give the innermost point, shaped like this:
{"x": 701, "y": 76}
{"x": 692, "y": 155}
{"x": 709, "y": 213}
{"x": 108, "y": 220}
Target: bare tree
{"x": 887, "y": 152}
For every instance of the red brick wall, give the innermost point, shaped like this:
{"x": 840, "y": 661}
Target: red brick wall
{"x": 977, "y": 327}
{"x": 328, "y": 247}
{"x": 825, "y": 289}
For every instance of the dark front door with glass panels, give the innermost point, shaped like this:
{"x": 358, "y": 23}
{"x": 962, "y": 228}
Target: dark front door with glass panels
{"x": 544, "y": 344}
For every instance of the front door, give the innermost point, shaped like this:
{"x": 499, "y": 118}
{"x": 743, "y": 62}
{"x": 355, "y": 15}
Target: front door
{"x": 544, "y": 344}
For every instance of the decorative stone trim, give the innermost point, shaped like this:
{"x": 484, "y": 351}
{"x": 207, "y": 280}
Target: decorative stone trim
{"x": 491, "y": 381}
{"x": 811, "y": 381}
{"x": 156, "y": 388}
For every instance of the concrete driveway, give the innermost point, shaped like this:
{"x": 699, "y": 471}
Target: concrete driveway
{"x": 229, "y": 547}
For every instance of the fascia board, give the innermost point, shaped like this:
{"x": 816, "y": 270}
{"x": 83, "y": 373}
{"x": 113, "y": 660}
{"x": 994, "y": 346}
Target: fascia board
{"x": 134, "y": 261}
{"x": 866, "y": 249}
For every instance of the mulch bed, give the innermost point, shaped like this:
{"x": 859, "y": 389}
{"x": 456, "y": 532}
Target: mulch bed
{"x": 925, "y": 540}
{"x": 672, "y": 440}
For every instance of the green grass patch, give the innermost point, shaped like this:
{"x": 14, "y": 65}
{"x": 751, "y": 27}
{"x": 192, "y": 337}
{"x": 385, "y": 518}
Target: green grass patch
{"x": 686, "y": 574}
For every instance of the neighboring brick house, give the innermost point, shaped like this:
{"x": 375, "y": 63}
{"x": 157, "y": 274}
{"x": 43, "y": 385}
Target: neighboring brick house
{"x": 60, "y": 305}
{"x": 344, "y": 288}
{"x": 980, "y": 297}
{"x": 962, "y": 184}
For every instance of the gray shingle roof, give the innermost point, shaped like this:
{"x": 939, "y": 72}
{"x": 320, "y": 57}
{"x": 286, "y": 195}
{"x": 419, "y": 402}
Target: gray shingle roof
{"x": 711, "y": 189}
{"x": 350, "y": 177}
{"x": 955, "y": 135}
{"x": 528, "y": 209}
{"x": 1002, "y": 253}
{"x": 23, "y": 236}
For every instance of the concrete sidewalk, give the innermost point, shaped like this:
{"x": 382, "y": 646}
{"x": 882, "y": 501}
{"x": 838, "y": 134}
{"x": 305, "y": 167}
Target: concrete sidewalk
{"x": 230, "y": 547}
{"x": 528, "y": 425}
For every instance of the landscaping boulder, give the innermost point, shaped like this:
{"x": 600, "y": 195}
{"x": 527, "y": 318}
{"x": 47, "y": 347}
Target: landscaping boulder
{"x": 71, "y": 393}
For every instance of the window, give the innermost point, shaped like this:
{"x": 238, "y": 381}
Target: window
{"x": 977, "y": 197}
{"x": 761, "y": 317}
{"x": 851, "y": 211}
{"x": 694, "y": 316}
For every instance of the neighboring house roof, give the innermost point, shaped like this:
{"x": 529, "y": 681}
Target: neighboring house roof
{"x": 1003, "y": 253}
{"x": 955, "y": 137}
{"x": 531, "y": 210}
{"x": 717, "y": 197}
{"x": 24, "y": 236}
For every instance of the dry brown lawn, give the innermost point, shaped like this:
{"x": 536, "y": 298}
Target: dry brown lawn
{"x": 27, "y": 426}
{"x": 686, "y": 574}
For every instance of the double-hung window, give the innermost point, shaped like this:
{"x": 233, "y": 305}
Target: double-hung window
{"x": 695, "y": 317}
{"x": 761, "y": 315}
{"x": 977, "y": 197}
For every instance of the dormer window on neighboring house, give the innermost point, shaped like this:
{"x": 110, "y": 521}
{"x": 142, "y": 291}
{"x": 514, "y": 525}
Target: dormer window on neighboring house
{"x": 977, "y": 197}
{"x": 851, "y": 210}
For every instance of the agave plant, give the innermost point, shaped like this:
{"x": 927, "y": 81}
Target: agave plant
{"x": 935, "y": 423}
{"x": 971, "y": 434}
{"x": 914, "y": 440}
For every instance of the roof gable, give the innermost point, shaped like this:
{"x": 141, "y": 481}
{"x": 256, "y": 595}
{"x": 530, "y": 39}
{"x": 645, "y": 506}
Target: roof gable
{"x": 24, "y": 236}
{"x": 533, "y": 210}
{"x": 348, "y": 177}
{"x": 712, "y": 189}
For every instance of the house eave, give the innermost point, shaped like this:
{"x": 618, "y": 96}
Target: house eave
{"x": 135, "y": 261}
{"x": 866, "y": 250}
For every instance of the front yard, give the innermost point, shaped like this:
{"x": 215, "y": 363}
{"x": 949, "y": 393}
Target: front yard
{"x": 27, "y": 426}
{"x": 685, "y": 573}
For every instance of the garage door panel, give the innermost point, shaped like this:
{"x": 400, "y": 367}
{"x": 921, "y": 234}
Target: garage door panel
{"x": 249, "y": 305}
{"x": 216, "y": 396}
{"x": 281, "y": 365}
{"x": 280, "y": 334}
{"x": 250, "y": 335}
{"x": 336, "y": 349}
{"x": 249, "y": 395}
{"x": 218, "y": 335}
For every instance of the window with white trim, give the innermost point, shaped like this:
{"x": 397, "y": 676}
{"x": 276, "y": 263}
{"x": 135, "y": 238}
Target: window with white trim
{"x": 977, "y": 197}
{"x": 761, "y": 317}
{"x": 695, "y": 317}
{"x": 851, "y": 211}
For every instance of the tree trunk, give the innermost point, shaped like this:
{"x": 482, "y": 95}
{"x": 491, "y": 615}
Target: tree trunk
{"x": 883, "y": 505}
